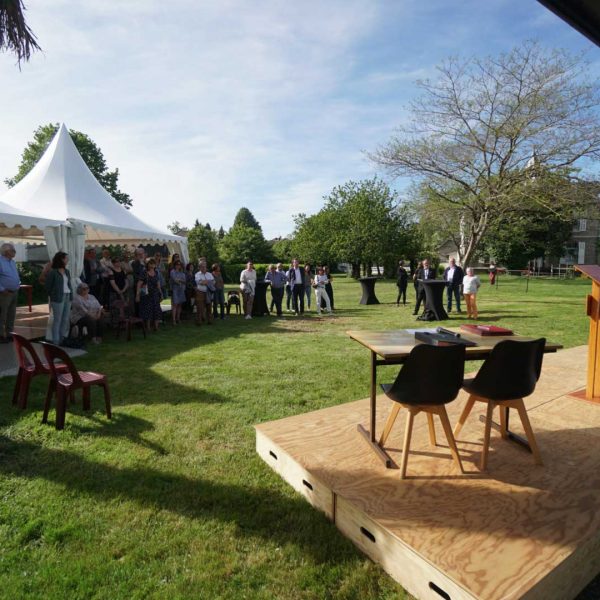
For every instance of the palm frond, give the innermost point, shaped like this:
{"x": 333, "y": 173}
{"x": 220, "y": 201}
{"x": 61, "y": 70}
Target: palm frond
{"x": 15, "y": 34}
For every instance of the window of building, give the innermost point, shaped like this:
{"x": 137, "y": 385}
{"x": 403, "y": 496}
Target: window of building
{"x": 581, "y": 253}
{"x": 582, "y": 224}
{"x": 570, "y": 254}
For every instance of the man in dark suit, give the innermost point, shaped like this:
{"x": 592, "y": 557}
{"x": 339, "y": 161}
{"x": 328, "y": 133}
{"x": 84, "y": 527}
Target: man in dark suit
{"x": 295, "y": 276}
{"x": 423, "y": 272}
{"x": 453, "y": 276}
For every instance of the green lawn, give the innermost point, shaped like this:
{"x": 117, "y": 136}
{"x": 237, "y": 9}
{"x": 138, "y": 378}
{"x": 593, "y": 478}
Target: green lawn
{"x": 169, "y": 499}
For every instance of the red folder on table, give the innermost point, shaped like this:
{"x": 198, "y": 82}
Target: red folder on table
{"x": 487, "y": 330}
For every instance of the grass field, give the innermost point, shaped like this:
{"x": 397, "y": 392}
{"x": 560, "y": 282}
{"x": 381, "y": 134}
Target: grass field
{"x": 169, "y": 499}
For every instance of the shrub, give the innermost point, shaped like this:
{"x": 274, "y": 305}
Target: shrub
{"x": 29, "y": 274}
{"x": 231, "y": 272}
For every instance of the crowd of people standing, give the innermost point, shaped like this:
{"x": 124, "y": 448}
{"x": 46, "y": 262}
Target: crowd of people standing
{"x": 140, "y": 284}
{"x": 116, "y": 284}
{"x": 458, "y": 284}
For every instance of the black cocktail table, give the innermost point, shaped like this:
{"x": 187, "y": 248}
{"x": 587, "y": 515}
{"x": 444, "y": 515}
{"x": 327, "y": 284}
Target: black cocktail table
{"x": 434, "y": 298}
{"x": 260, "y": 307}
{"x": 368, "y": 290}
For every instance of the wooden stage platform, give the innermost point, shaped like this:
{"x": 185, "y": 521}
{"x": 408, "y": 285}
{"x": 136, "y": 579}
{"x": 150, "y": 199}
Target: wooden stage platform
{"x": 32, "y": 325}
{"x": 516, "y": 531}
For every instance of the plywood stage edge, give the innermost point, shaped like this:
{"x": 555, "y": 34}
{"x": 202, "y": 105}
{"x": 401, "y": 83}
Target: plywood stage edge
{"x": 32, "y": 325}
{"x": 516, "y": 531}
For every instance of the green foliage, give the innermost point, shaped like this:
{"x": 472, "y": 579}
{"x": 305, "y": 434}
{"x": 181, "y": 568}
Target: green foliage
{"x": 242, "y": 243}
{"x": 203, "y": 241}
{"x": 532, "y": 234}
{"x": 90, "y": 152}
{"x": 245, "y": 218}
{"x": 231, "y": 272}
{"x": 29, "y": 275}
{"x": 361, "y": 223}
{"x": 282, "y": 250}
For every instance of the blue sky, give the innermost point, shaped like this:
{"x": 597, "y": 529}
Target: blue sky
{"x": 206, "y": 107}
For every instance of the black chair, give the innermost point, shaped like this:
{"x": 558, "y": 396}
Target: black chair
{"x": 233, "y": 299}
{"x": 430, "y": 378}
{"x": 508, "y": 375}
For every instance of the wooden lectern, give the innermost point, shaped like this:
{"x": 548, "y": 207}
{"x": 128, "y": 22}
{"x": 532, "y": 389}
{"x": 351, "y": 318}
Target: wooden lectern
{"x": 592, "y": 390}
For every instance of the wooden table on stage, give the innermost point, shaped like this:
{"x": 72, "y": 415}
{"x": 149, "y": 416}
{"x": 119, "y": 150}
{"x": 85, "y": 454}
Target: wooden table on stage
{"x": 393, "y": 347}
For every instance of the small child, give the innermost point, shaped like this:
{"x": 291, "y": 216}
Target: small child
{"x": 320, "y": 281}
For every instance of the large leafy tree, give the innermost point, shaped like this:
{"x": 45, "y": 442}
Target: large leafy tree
{"x": 361, "y": 223}
{"x": 313, "y": 239}
{"x": 282, "y": 250}
{"x": 90, "y": 152}
{"x": 245, "y": 240}
{"x": 15, "y": 34}
{"x": 477, "y": 130}
{"x": 532, "y": 234}
{"x": 202, "y": 241}
{"x": 537, "y": 229}
{"x": 242, "y": 243}
{"x": 246, "y": 218}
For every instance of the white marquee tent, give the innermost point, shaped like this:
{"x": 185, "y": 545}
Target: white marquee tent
{"x": 61, "y": 196}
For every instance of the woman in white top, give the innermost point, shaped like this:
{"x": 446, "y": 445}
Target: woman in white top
{"x": 248, "y": 287}
{"x": 471, "y": 285}
{"x": 58, "y": 286}
{"x": 205, "y": 282}
{"x": 320, "y": 281}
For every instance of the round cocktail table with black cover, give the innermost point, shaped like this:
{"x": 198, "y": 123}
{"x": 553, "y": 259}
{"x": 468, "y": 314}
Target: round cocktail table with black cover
{"x": 434, "y": 300}
{"x": 368, "y": 290}
{"x": 260, "y": 306}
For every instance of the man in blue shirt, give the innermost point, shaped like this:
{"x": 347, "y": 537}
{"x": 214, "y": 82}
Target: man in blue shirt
{"x": 9, "y": 290}
{"x": 277, "y": 278}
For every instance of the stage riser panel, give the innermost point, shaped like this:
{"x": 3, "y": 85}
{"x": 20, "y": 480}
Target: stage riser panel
{"x": 415, "y": 574}
{"x": 317, "y": 494}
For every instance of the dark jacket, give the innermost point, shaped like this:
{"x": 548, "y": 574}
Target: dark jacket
{"x": 90, "y": 271}
{"x": 54, "y": 285}
{"x": 402, "y": 276}
{"x": 458, "y": 275}
{"x": 138, "y": 268}
{"x": 291, "y": 275}
{"x": 420, "y": 273}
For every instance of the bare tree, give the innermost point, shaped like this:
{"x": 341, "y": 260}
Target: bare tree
{"x": 484, "y": 127}
{"x": 15, "y": 34}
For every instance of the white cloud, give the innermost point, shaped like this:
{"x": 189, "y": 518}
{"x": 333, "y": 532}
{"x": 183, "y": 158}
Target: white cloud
{"x": 206, "y": 107}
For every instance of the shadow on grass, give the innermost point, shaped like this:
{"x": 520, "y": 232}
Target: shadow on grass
{"x": 139, "y": 371}
{"x": 147, "y": 371}
{"x": 255, "y": 511}
{"x": 120, "y": 426}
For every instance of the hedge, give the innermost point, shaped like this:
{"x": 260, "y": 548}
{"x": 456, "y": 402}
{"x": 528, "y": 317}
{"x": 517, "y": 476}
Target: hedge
{"x": 231, "y": 273}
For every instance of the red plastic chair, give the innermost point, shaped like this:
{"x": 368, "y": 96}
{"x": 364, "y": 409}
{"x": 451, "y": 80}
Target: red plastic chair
{"x": 30, "y": 365}
{"x": 67, "y": 383}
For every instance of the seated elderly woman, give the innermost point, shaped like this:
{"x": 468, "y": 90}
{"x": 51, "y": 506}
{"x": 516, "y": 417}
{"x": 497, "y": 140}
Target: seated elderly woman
{"x": 86, "y": 312}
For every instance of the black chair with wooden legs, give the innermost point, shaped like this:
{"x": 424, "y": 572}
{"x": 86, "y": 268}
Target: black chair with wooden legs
{"x": 508, "y": 375}
{"x": 430, "y": 378}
